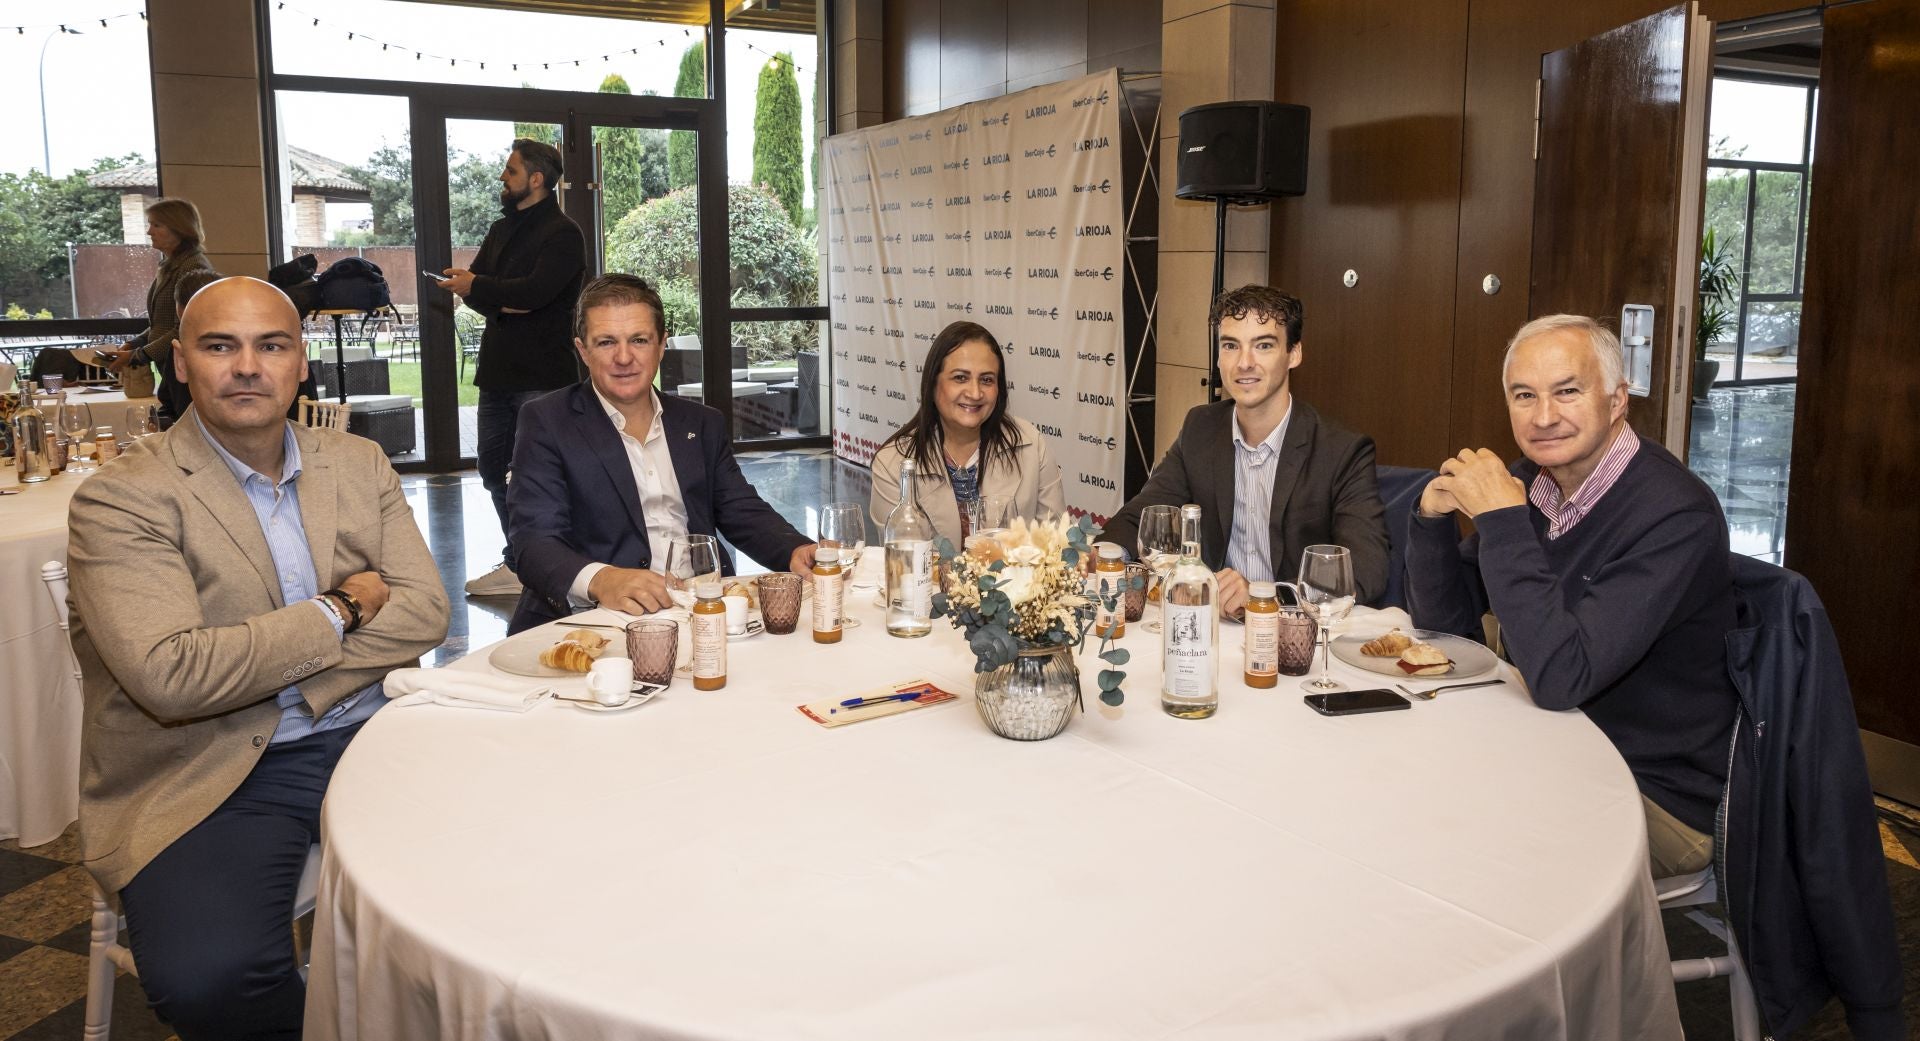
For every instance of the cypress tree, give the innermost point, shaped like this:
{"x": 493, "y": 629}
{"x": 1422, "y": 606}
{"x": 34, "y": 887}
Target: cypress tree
{"x": 620, "y": 161}
{"x": 683, "y": 159}
{"x": 779, "y": 157}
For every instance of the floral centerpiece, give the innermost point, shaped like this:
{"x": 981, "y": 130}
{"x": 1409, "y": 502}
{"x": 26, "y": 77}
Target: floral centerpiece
{"x": 1022, "y": 599}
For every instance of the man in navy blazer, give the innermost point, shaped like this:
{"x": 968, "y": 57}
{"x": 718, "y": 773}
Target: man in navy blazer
{"x": 607, "y": 471}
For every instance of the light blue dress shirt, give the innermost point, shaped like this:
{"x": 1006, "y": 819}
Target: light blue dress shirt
{"x": 277, "y": 507}
{"x": 1249, "y": 550}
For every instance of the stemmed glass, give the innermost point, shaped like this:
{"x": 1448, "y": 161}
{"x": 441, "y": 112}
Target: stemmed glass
{"x": 690, "y": 560}
{"x": 141, "y": 421}
{"x": 1159, "y": 545}
{"x": 843, "y": 530}
{"x": 1326, "y": 585}
{"x": 76, "y": 420}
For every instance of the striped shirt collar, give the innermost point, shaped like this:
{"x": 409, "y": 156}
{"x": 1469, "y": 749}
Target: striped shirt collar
{"x": 1563, "y": 514}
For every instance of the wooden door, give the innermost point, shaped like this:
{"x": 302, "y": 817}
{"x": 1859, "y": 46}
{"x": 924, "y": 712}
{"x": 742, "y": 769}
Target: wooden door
{"x": 1852, "y": 524}
{"x": 1617, "y": 183}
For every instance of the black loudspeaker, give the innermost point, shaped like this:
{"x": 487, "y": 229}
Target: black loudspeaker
{"x": 1242, "y": 150}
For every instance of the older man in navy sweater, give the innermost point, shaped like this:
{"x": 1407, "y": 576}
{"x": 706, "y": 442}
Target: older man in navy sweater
{"x": 1605, "y": 561}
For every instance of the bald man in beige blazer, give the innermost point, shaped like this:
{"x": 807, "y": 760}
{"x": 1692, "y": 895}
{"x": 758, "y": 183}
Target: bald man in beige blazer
{"x": 240, "y": 587}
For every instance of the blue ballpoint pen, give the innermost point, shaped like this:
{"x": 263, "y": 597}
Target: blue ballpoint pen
{"x": 907, "y": 695}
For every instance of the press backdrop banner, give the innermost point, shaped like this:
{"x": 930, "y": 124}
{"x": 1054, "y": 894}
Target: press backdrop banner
{"x": 1007, "y": 213}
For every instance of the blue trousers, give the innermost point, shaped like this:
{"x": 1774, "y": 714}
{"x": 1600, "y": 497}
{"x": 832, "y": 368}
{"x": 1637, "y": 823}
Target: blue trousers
{"x": 210, "y": 920}
{"x": 498, "y": 419}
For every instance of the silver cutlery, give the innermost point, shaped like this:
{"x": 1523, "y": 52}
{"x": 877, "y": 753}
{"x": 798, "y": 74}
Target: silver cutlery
{"x": 1428, "y": 694}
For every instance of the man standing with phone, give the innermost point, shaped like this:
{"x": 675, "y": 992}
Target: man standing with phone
{"x": 524, "y": 281}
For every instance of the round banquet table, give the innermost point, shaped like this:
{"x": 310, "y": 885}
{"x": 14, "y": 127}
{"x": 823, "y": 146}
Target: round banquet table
{"x": 717, "y": 866}
{"x": 39, "y": 697}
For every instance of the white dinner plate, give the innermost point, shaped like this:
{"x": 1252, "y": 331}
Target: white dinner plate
{"x": 520, "y": 654}
{"x": 1469, "y": 658}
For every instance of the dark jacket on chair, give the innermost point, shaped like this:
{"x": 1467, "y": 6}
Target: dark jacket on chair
{"x": 572, "y": 500}
{"x": 1801, "y": 868}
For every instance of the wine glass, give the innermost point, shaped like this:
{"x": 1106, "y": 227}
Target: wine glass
{"x": 691, "y": 559}
{"x": 843, "y": 530}
{"x": 76, "y": 421}
{"x": 1159, "y": 545}
{"x": 1326, "y": 584}
{"x": 141, "y": 421}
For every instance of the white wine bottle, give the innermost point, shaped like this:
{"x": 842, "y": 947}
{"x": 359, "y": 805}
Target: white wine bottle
{"x": 909, "y": 539}
{"x": 1190, "y": 630}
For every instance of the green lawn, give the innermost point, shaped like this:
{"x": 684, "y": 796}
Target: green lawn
{"x": 404, "y": 378}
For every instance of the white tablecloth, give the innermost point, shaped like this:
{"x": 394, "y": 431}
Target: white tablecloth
{"x": 39, "y": 699}
{"x": 714, "y": 865}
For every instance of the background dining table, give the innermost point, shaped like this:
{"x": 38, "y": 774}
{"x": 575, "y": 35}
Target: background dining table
{"x": 39, "y": 697}
{"x": 718, "y": 866}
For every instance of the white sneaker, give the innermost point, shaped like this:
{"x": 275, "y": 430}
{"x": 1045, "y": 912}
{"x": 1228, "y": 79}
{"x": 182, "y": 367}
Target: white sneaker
{"x": 501, "y": 581}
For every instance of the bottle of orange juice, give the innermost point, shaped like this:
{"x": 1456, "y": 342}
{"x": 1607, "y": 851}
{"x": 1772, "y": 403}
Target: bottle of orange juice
{"x": 1263, "y": 634}
{"x": 1110, "y": 580}
{"x": 826, "y": 593}
{"x": 709, "y": 637}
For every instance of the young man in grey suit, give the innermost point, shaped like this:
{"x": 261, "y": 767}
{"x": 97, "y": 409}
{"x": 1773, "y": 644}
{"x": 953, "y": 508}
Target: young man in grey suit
{"x": 1270, "y": 475}
{"x": 240, "y": 587}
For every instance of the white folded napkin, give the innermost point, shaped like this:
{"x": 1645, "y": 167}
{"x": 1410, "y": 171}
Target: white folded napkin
{"x": 463, "y": 690}
{"x": 1367, "y": 619}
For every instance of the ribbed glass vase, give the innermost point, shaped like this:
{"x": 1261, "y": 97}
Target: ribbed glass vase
{"x": 1031, "y": 698}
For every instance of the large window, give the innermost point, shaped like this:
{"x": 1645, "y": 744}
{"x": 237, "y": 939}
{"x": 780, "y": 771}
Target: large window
{"x": 77, "y": 168}
{"x": 1756, "y": 207}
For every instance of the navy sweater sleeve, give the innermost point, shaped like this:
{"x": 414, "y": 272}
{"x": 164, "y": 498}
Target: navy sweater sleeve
{"x": 1443, "y": 589}
{"x": 1571, "y": 653}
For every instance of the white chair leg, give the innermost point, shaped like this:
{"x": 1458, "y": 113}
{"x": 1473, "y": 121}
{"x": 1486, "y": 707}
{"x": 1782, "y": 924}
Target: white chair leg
{"x": 100, "y": 969}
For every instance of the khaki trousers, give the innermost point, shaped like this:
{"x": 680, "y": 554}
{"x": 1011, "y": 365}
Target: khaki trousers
{"x": 1672, "y": 847}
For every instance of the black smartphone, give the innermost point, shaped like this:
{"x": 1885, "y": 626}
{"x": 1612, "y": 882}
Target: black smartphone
{"x": 435, "y": 275}
{"x": 1354, "y": 702}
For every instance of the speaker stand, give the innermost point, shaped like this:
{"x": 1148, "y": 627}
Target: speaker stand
{"x": 1219, "y": 286}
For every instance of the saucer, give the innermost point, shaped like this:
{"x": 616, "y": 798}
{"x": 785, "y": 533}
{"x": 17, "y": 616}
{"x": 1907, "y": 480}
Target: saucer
{"x": 633, "y": 701}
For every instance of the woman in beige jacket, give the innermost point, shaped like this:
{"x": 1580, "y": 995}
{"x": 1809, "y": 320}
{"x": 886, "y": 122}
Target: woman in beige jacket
{"x": 963, "y": 442}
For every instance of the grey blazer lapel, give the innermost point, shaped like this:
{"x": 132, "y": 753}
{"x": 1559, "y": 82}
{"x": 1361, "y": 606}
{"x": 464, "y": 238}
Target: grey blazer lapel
{"x": 1228, "y": 475}
{"x": 319, "y": 502}
{"x": 1295, "y": 450}
{"x": 207, "y": 477}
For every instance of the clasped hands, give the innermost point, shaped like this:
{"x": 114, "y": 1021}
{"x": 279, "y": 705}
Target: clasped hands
{"x": 639, "y": 591}
{"x": 1472, "y": 483}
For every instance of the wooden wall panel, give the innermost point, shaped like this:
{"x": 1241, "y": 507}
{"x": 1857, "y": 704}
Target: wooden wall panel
{"x": 910, "y": 56}
{"x": 1852, "y": 527}
{"x": 973, "y": 49}
{"x": 940, "y": 53}
{"x": 1384, "y": 80}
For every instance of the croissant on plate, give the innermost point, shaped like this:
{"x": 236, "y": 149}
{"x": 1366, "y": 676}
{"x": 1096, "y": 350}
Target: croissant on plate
{"x": 1387, "y": 645}
{"x": 575, "y": 652}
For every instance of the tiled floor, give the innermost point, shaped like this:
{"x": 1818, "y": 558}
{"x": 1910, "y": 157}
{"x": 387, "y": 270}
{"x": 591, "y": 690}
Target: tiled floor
{"x": 43, "y": 895}
{"x": 1742, "y": 446}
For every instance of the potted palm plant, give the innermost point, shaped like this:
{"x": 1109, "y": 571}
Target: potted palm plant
{"x": 1718, "y": 289}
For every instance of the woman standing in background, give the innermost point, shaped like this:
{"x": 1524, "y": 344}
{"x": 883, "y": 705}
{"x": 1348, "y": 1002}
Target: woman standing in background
{"x": 173, "y": 226}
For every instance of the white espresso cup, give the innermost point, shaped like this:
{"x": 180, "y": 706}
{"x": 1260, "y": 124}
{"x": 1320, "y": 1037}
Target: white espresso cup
{"x": 736, "y": 614}
{"x": 610, "y": 681}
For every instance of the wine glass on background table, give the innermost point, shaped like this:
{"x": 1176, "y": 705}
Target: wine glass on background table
{"x": 1159, "y": 546}
{"x": 843, "y": 530}
{"x": 76, "y": 421}
{"x": 141, "y": 420}
{"x": 690, "y": 558}
{"x": 1326, "y": 586}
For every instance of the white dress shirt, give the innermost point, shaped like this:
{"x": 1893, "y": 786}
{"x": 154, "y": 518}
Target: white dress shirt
{"x": 659, "y": 487}
{"x": 1249, "y": 550}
